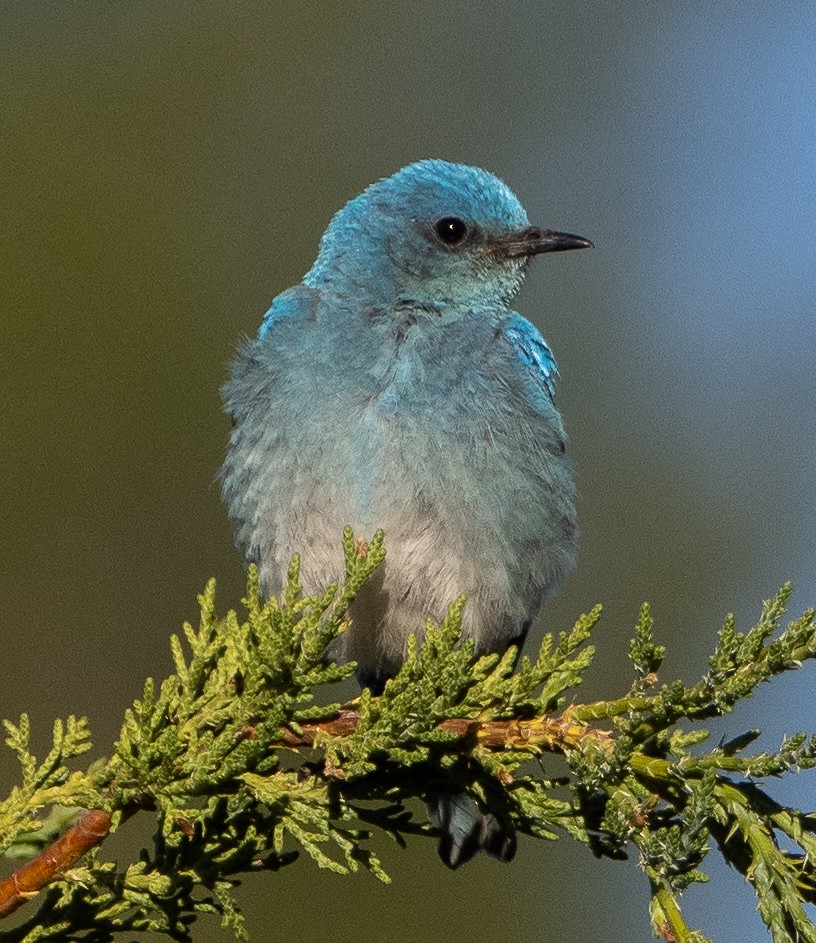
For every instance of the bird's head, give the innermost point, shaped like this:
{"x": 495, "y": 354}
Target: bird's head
{"x": 436, "y": 234}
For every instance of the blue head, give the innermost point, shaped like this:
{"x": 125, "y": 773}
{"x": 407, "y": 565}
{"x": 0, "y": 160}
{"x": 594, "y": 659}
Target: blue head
{"x": 435, "y": 234}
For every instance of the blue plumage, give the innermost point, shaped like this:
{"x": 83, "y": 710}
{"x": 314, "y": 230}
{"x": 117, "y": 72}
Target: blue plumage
{"x": 533, "y": 350}
{"x": 395, "y": 388}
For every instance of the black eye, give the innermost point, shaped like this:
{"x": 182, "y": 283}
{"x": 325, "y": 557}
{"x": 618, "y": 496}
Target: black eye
{"x": 451, "y": 230}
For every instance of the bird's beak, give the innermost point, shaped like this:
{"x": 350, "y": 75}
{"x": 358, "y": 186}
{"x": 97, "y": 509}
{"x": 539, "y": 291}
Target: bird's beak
{"x": 534, "y": 241}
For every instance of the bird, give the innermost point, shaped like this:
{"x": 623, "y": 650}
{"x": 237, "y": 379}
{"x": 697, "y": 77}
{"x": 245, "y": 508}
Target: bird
{"x": 395, "y": 388}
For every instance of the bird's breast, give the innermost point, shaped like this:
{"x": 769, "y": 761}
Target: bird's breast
{"x": 426, "y": 371}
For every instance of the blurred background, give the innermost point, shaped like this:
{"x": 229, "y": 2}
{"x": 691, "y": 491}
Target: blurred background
{"x": 167, "y": 169}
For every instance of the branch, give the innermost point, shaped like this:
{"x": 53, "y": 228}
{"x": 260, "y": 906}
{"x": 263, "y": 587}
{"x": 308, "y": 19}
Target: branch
{"x": 556, "y": 734}
{"x": 241, "y": 767}
{"x": 90, "y": 831}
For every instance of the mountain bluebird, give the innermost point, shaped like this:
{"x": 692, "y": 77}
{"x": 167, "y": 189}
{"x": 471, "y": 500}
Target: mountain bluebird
{"x": 394, "y": 388}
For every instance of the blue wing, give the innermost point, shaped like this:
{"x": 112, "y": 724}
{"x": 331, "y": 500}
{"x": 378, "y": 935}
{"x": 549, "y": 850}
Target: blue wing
{"x": 533, "y": 351}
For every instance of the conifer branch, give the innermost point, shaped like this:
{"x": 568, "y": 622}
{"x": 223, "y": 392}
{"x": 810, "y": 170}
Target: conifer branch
{"x": 243, "y": 770}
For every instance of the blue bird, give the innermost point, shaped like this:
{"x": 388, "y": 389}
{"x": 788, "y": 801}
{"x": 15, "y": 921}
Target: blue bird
{"x": 394, "y": 388}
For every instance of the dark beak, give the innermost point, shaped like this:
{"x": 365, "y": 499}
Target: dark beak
{"x": 534, "y": 241}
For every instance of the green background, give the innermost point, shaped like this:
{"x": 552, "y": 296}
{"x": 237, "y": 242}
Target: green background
{"x": 167, "y": 169}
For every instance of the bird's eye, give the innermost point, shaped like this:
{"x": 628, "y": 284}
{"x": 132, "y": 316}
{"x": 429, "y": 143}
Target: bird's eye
{"x": 451, "y": 230}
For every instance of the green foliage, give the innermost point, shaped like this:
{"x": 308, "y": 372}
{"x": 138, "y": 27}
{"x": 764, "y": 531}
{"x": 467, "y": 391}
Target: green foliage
{"x": 49, "y": 784}
{"x": 244, "y": 770}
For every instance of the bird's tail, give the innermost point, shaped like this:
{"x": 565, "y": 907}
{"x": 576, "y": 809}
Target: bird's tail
{"x": 466, "y": 830}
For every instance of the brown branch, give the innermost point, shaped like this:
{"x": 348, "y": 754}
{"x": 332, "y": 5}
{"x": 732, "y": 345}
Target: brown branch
{"x": 90, "y": 831}
{"x": 556, "y": 734}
